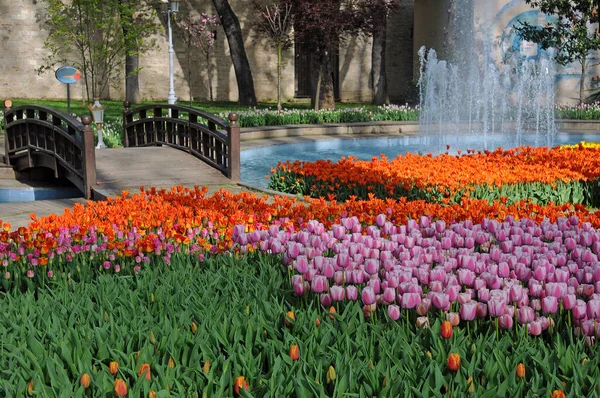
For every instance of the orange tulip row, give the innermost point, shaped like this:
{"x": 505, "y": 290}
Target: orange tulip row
{"x": 177, "y": 210}
{"x": 451, "y": 174}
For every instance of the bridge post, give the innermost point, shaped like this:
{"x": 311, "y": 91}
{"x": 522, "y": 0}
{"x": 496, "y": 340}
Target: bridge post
{"x": 7, "y": 105}
{"x": 233, "y": 138}
{"x": 126, "y": 106}
{"x": 89, "y": 156}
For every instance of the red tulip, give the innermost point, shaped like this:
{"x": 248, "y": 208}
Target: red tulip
{"x": 454, "y": 362}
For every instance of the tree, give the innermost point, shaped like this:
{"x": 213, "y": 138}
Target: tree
{"x": 275, "y": 22}
{"x": 376, "y": 13}
{"x": 233, "y": 31}
{"x": 90, "y": 35}
{"x": 569, "y": 34}
{"x": 320, "y": 25}
{"x": 200, "y": 33}
{"x": 137, "y": 22}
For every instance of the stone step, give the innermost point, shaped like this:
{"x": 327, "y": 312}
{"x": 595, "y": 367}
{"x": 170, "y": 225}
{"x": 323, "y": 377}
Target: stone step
{"x": 6, "y": 172}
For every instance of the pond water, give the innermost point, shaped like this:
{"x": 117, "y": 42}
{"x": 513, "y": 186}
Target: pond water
{"x": 256, "y": 163}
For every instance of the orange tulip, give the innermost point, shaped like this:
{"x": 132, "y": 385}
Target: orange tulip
{"x": 85, "y": 380}
{"x": 317, "y": 322}
{"x": 30, "y": 384}
{"x": 454, "y": 362}
{"x": 332, "y": 311}
{"x": 171, "y": 362}
{"x": 120, "y": 388}
{"x": 240, "y": 384}
{"x": 194, "y": 328}
{"x": 289, "y": 318}
{"x": 558, "y": 394}
{"x": 294, "y": 352}
{"x": 520, "y": 370}
{"x": 446, "y": 329}
{"x": 206, "y": 367}
{"x": 151, "y": 394}
{"x": 145, "y": 368}
{"x": 113, "y": 367}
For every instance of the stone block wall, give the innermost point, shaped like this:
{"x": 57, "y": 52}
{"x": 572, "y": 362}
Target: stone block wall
{"x": 22, "y": 36}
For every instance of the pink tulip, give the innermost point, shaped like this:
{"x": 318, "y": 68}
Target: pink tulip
{"x": 389, "y": 295}
{"x": 338, "y": 293}
{"x": 549, "y": 304}
{"x": 411, "y": 300}
{"x": 319, "y": 284}
{"x": 534, "y": 328}
{"x": 423, "y": 321}
{"x": 351, "y": 293}
{"x": 301, "y": 264}
{"x": 593, "y": 309}
{"x": 452, "y": 292}
{"x": 393, "y": 312}
{"x": 453, "y": 318}
{"x": 468, "y": 311}
{"x": 368, "y": 295}
{"x": 380, "y": 220}
{"x": 440, "y": 301}
{"x": 505, "y": 322}
{"x": 569, "y": 301}
{"x": 325, "y": 299}
{"x": 298, "y": 289}
{"x": 372, "y": 266}
{"x": 515, "y": 293}
{"x": 525, "y": 315}
{"x": 483, "y": 295}
{"x": 482, "y": 310}
{"x": 496, "y": 307}
{"x": 423, "y": 307}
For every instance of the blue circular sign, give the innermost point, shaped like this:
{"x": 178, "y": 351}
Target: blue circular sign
{"x": 67, "y": 75}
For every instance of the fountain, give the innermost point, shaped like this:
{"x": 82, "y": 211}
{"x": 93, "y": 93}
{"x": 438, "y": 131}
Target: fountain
{"x": 475, "y": 95}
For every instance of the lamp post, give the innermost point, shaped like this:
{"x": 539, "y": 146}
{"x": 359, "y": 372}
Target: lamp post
{"x": 97, "y": 110}
{"x": 170, "y": 7}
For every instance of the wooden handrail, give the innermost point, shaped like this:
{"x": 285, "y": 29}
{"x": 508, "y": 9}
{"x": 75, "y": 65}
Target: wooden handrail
{"x": 202, "y": 134}
{"x": 37, "y": 135}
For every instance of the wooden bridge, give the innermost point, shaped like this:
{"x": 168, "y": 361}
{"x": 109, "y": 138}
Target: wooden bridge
{"x": 163, "y": 146}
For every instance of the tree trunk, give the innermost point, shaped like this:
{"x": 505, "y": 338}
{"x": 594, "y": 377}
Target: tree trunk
{"x": 582, "y": 81}
{"x": 132, "y": 60}
{"x": 132, "y": 81}
{"x": 243, "y": 74}
{"x": 279, "y": 50}
{"x": 380, "y": 92}
{"x": 327, "y": 91}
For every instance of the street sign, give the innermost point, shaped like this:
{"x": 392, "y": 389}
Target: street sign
{"x": 67, "y": 75}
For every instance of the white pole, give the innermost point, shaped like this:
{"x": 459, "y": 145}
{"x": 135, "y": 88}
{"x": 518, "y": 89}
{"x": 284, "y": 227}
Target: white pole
{"x": 172, "y": 98}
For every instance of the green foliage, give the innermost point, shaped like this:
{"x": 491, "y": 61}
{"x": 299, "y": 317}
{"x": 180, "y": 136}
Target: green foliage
{"x": 569, "y": 34}
{"x": 95, "y": 36}
{"x": 238, "y": 306}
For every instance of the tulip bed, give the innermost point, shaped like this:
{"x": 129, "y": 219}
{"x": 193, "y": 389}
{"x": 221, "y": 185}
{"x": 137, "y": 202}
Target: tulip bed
{"x": 176, "y": 292}
{"x": 539, "y": 174}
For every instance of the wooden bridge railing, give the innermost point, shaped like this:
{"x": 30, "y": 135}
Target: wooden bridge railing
{"x": 39, "y": 136}
{"x": 203, "y": 135}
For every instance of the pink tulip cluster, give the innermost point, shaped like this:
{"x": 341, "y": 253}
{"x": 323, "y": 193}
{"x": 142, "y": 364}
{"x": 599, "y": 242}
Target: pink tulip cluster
{"x": 515, "y": 271}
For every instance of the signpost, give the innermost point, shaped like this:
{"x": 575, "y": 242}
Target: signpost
{"x": 68, "y": 75}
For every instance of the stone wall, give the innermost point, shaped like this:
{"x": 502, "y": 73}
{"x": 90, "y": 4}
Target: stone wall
{"x": 22, "y": 35}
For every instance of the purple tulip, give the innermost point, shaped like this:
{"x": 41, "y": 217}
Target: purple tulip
{"x": 468, "y": 311}
{"x": 393, "y": 312}
{"x": 368, "y": 295}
